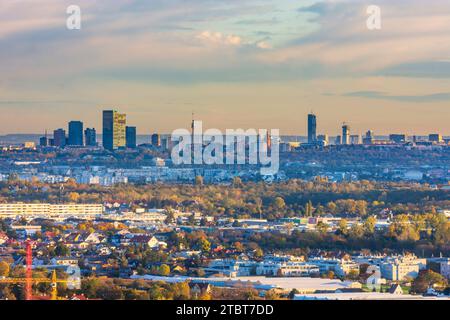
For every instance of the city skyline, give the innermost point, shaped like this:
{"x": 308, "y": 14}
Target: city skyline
{"x": 116, "y": 134}
{"x": 312, "y": 134}
{"x": 243, "y": 64}
{"x": 225, "y": 158}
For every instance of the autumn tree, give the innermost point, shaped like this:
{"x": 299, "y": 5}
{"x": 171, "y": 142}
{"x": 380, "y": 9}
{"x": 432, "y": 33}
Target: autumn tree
{"x": 427, "y": 279}
{"x": 4, "y": 269}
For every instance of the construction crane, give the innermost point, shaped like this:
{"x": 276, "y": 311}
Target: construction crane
{"x": 29, "y": 280}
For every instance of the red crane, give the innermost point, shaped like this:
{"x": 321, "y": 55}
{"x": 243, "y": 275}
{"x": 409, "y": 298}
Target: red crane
{"x": 29, "y": 280}
{"x": 29, "y": 271}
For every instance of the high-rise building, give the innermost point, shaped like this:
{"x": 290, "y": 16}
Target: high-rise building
{"x": 197, "y": 141}
{"x": 75, "y": 133}
{"x": 59, "y": 138}
{"x": 156, "y": 140}
{"x": 130, "y": 137}
{"x": 90, "y": 137}
{"x": 368, "y": 139}
{"x": 43, "y": 141}
{"x": 312, "y": 128}
{"x": 397, "y": 138}
{"x": 114, "y": 135}
{"x": 166, "y": 143}
{"x": 435, "y": 137}
{"x": 345, "y": 134}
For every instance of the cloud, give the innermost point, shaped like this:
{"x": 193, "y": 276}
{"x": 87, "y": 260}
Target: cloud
{"x": 217, "y": 38}
{"x": 435, "y": 97}
{"x": 412, "y": 32}
{"x": 423, "y": 69}
{"x": 263, "y": 45}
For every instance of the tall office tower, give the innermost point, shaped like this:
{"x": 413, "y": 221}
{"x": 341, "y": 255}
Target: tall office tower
{"x": 75, "y": 133}
{"x": 368, "y": 139}
{"x": 59, "y": 138}
{"x": 90, "y": 137}
{"x": 156, "y": 140}
{"x": 435, "y": 137}
{"x": 43, "y": 141}
{"x": 197, "y": 141}
{"x": 130, "y": 137}
{"x": 345, "y": 134}
{"x": 338, "y": 140}
{"x": 312, "y": 128}
{"x": 114, "y": 135}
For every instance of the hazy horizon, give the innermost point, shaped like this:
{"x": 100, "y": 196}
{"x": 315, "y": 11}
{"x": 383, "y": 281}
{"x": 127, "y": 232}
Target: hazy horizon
{"x": 239, "y": 64}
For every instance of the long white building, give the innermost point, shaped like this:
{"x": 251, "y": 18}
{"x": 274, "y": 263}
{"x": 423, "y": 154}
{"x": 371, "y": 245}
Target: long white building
{"x": 49, "y": 210}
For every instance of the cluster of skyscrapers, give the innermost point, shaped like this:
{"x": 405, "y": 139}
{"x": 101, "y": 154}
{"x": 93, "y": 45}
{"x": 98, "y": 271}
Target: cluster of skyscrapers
{"x": 346, "y": 138}
{"x": 115, "y": 134}
{"x": 322, "y": 140}
{"x": 74, "y": 138}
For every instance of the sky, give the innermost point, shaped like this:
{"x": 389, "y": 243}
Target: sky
{"x": 234, "y": 63}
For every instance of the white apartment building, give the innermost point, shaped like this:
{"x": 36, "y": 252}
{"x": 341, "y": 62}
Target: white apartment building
{"x": 243, "y": 268}
{"x": 340, "y": 267}
{"x": 395, "y": 268}
{"x": 49, "y": 210}
{"x": 286, "y": 269}
{"x": 400, "y": 269}
{"x": 231, "y": 268}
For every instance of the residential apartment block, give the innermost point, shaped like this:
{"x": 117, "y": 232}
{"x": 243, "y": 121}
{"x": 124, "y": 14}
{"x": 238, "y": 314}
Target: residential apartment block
{"x": 49, "y": 210}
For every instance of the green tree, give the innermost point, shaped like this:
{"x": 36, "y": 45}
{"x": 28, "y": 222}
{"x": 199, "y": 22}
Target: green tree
{"x": 62, "y": 250}
{"x": 427, "y": 279}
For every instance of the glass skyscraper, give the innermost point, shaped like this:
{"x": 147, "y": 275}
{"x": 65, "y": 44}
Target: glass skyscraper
{"x": 75, "y": 133}
{"x": 90, "y": 137}
{"x": 345, "y": 134}
{"x": 312, "y": 128}
{"x": 59, "y": 138}
{"x": 131, "y": 137}
{"x": 114, "y": 135}
{"x": 156, "y": 140}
